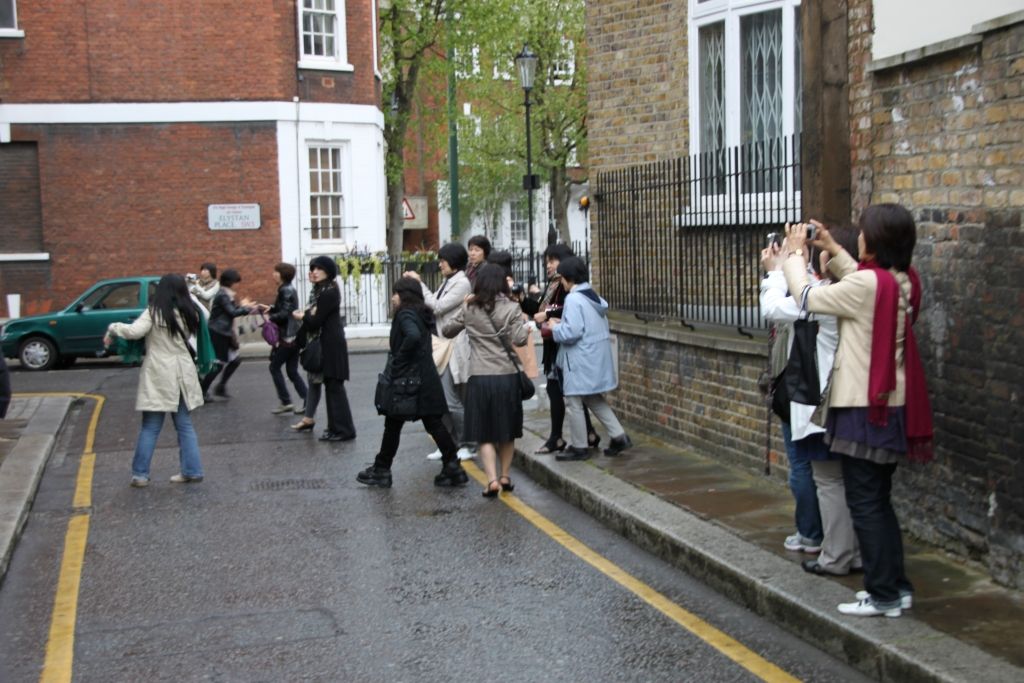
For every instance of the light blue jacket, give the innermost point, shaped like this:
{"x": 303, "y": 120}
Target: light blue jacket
{"x": 585, "y": 347}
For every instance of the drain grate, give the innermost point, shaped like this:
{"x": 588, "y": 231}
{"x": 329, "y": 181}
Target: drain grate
{"x": 288, "y": 484}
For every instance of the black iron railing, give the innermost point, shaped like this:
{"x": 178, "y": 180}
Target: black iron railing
{"x": 681, "y": 239}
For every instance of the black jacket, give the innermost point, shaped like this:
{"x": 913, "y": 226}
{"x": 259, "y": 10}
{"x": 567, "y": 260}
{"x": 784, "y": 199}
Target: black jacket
{"x": 223, "y": 312}
{"x": 412, "y": 356}
{"x": 327, "y": 320}
{"x": 281, "y": 312}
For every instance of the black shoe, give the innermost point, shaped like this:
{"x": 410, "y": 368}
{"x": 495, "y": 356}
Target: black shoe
{"x": 451, "y": 474}
{"x": 573, "y": 453}
{"x": 617, "y": 445}
{"x": 221, "y": 391}
{"x": 330, "y": 436}
{"x": 375, "y": 476}
{"x": 593, "y": 440}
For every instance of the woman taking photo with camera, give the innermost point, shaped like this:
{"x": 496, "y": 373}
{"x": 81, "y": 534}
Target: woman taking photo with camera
{"x": 879, "y": 414}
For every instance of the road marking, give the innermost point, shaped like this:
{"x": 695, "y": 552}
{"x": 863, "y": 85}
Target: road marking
{"x": 60, "y": 645}
{"x": 722, "y": 642}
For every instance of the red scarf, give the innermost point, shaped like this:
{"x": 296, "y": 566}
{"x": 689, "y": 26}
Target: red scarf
{"x": 882, "y": 376}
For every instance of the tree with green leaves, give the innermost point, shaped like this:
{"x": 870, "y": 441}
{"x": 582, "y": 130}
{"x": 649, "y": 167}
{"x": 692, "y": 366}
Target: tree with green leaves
{"x": 492, "y": 144}
{"x": 410, "y": 32}
{"x": 486, "y": 35}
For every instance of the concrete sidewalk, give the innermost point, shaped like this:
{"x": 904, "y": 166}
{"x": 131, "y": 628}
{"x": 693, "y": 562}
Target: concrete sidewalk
{"x": 726, "y": 526}
{"x": 27, "y": 437}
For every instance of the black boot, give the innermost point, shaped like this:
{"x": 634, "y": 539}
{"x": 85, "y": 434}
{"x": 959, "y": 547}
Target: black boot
{"x": 573, "y": 453}
{"x": 618, "y": 444}
{"x": 375, "y": 476}
{"x": 452, "y": 474}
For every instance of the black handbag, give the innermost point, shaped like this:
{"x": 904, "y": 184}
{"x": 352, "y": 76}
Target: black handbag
{"x": 311, "y": 358}
{"x": 801, "y": 375}
{"x": 526, "y": 387}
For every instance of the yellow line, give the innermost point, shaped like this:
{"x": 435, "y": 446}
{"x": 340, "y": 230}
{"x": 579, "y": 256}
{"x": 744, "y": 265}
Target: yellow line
{"x": 728, "y": 646}
{"x": 60, "y": 646}
{"x": 83, "y": 484}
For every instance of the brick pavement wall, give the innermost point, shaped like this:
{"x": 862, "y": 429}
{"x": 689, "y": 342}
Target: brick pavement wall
{"x": 944, "y": 136}
{"x": 132, "y": 200}
{"x": 186, "y": 50}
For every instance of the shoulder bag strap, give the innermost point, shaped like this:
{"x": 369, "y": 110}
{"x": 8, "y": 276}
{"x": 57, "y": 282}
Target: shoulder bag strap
{"x": 504, "y": 342}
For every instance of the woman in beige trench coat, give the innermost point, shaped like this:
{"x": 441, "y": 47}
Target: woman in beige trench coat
{"x": 168, "y": 381}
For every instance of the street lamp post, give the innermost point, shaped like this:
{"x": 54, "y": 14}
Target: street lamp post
{"x": 526, "y": 62}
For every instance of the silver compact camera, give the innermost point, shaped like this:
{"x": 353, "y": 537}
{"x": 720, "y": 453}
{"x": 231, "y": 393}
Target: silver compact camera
{"x": 773, "y": 239}
{"x": 191, "y": 277}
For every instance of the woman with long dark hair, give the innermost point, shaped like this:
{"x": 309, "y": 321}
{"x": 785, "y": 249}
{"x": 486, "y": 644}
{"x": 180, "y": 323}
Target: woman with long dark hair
{"x": 494, "y": 408}
{"x": 411, "y": 366}
{"x": 168, "y": 380}
{"x": 879, "y": 412}
{"x": 322, "y": 321}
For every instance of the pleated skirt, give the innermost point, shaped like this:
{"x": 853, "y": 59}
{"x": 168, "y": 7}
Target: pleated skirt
{"x": 494, "y": 412}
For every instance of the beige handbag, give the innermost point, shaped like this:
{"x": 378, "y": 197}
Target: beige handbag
{"x": 442, "y": 350}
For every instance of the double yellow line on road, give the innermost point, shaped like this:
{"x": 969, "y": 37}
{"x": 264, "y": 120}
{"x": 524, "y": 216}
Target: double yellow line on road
{"x": 717, "y": 639}
{"x": 60, "y": 645}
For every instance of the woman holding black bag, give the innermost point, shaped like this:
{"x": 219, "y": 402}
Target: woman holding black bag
{"x": 410, "y": 389}
{"x": 325, "y": 352}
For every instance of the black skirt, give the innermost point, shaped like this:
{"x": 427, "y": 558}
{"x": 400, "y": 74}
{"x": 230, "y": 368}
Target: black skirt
{"x": 494, "y": 412}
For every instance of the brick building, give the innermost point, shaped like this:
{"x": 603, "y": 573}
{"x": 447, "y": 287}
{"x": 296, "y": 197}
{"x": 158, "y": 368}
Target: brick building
{"x": 125, "y": 128}
{"x": 871, "y": 104}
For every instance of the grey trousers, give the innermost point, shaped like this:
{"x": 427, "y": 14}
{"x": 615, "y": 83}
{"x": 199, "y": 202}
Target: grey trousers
{"x": 839, "y": 551}
{"x": 453, "y": 394}
{"x": 599, "y": 408}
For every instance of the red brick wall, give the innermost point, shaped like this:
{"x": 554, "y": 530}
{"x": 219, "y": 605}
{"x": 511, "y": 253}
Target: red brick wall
{"x": 132, "y": 199}
{"x": 186, "y": 50}
{"x": 19, "y": 198}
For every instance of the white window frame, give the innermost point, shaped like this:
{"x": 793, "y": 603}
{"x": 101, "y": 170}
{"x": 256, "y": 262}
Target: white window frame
{"x": 339, "y": 60}
{"x": 474, "y": 64}
{"x": 12, "y": 31}
{"x": 564, "y": 70}
{"x": 342, "y": 242}
{"x": 518, "y": 236}
{"x": 704, "y": 207}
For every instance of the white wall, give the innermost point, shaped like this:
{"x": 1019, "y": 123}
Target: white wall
{"x": 902, "y": 25}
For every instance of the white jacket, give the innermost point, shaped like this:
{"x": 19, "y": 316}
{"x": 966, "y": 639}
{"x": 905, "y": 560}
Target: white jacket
{"x": 446, "y": 305}
{"x": 779, "y": 307}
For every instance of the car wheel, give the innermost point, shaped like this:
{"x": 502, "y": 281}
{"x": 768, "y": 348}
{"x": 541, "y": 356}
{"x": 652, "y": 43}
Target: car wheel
{"x": 38, "y": 353}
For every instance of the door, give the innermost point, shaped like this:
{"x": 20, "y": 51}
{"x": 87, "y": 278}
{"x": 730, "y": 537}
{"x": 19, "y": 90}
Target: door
{"x": 83, "y": 325}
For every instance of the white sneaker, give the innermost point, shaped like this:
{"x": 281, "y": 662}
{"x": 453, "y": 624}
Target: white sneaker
{"x": 906, "y": 599}
{"x": 798, "y": 543}
{"x": 465, "y": 454}
{"x": 867, "y": 608}
{"x": 140, "y": 482}
{"x": 436, "y": 455}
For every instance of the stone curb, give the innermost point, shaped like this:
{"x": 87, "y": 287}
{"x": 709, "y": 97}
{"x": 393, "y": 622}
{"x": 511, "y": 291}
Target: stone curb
{"x": 23, "y": 468}
{"x": 904, "y": 650}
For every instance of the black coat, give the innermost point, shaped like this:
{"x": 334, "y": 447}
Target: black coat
{"x": 327, "y": 320}
{"x": 223, "y": 312}
{"x": 412, "y": 356}
{"x": 281, "y": 312}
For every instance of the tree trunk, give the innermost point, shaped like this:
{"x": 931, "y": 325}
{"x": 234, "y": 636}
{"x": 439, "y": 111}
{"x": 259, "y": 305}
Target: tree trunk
{"x": 396, "y": 216}
{"x": 560, "y": 202}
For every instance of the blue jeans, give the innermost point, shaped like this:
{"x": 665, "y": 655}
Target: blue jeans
{"x": 801, "y": 483}
{"x": 188, "y": 443}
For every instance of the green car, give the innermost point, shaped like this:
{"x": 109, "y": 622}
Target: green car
{"x": 42, "y": 342}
